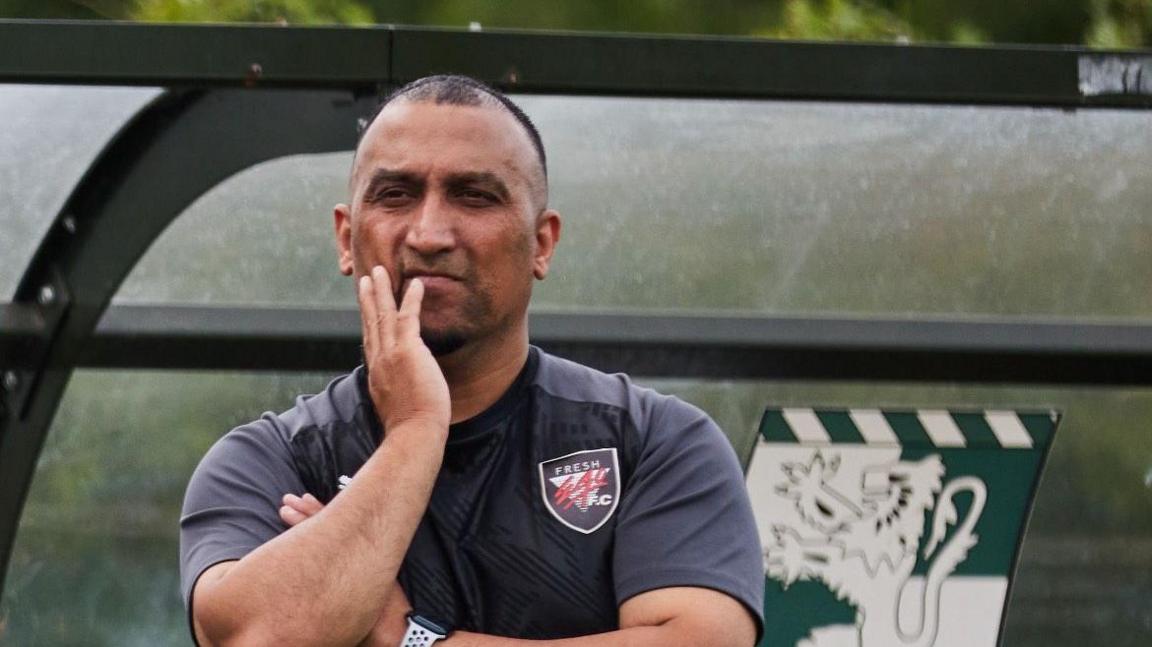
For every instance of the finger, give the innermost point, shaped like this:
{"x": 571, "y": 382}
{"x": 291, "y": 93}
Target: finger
{"x": 396, "y": 600}
{"x": 369, "y": 322}
{"x": 290, "y": 516}
{"x": 293, "y": 502}
{"x": 408, "y": 318}
{"x": 385, "y": 303}
{"x": 307, "y": 505}
{"x": 385, "y": 298}
{"x": 400, "y": 597}
{"x": 310, "y": 504}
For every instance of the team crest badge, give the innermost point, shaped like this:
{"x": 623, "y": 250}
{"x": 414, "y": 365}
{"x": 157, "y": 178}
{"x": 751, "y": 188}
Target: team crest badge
{"x": 893, "y": 528}
{"x": 582, "y": 489}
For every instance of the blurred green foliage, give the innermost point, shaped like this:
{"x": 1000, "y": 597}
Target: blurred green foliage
{"x": 1098, "y": 23}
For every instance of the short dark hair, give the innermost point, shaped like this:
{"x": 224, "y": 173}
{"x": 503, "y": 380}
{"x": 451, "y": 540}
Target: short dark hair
{"x": 459, "y": 90}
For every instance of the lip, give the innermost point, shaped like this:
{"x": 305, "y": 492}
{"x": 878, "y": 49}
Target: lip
{"x": 431, "y": 281}
{"x": 423, "y": 276}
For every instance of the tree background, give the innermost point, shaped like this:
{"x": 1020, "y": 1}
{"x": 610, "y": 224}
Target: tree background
{"x": 1096, "y": 23}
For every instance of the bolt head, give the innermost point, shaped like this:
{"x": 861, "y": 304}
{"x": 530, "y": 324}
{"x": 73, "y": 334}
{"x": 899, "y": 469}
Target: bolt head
{"x": 47, "y": 295}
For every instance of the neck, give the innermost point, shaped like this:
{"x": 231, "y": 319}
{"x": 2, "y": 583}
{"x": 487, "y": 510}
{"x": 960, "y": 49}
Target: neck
{"x": 479, "y": 373}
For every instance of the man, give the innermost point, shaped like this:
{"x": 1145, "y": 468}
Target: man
{"x": 461, "y": 474}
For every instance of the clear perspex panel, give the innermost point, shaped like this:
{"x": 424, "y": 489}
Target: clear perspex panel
{"x": 48, "y": 137}
{"x": 756, "y": 207}
{"x": 688, "y": 206}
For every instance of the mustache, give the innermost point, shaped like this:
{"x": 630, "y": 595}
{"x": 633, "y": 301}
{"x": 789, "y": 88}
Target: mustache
{"x": 406, "y": 270}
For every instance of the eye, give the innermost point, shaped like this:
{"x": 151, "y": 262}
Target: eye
{"x": 477, "y": 197}
{"x": 391, "y": 196}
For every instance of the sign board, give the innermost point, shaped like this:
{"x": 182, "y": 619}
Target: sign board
{"x": 892, "y": 528}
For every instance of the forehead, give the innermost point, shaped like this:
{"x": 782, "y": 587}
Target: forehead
{"x": 427, "y": 138}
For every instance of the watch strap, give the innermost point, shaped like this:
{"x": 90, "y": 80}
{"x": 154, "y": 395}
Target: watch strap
{"x": 422, "y": 631}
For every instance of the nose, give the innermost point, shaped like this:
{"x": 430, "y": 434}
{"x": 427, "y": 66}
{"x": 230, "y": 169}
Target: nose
{"x": 432, "y": 229}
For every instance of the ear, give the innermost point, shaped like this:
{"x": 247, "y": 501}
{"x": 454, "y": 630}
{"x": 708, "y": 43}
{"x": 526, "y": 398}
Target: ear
{"x": 547, "y": 236}
{"x": 342, "y": 220}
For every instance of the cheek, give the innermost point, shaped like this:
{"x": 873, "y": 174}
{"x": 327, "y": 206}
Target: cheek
{"x": 520, "y": 243}
{"x": 515, "y": 266}
{"x": 373, "y": 242}
{"x": 513, "y": 256}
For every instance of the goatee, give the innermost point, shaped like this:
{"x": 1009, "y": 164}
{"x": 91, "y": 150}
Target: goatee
{"x": 442, "y": 343}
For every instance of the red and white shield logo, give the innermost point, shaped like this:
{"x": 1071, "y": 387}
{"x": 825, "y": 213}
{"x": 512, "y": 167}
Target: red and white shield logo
{"x": 582, "y": 489}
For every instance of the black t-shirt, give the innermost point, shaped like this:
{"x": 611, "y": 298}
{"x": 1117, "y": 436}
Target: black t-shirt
{"x": 575, "y": 491}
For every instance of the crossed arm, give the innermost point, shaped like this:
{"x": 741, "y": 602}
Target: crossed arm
{"x": 331, "y": 578}
{"x": 670, "y": 616}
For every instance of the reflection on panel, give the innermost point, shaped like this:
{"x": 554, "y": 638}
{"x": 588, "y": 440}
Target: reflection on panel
{"x": 808, "y": 207}
{"x": 770, "y": 207}
{"x": 95, "y": 561}
{"x": 49, "y": 137}
{"x": 263, "y": 237}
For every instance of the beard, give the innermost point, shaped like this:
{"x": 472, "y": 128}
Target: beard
{"x": 442, "y": 343}
{"x": 446, "y": 332}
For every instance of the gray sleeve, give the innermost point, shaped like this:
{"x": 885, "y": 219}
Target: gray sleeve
{"x": 232, "y": 502}
{"x": 686, "y": 519}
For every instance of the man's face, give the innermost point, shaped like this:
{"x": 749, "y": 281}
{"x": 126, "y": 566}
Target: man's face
{"x": 452, "y": 195}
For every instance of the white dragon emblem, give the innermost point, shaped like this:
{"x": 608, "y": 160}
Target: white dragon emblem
{"x": 864, "y": 547}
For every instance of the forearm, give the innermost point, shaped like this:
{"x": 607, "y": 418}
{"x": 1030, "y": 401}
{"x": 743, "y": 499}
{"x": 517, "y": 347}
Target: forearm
{"x": 669, "y": 617}
{"x": 668, "y": 635}
{"x": 634, "y": 637}
{"x": 325, "y": 580}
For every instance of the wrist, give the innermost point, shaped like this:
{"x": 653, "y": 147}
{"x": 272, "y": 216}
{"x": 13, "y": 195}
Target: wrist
{"x": 423, "y": 631}
{"x": 417, "y": 428}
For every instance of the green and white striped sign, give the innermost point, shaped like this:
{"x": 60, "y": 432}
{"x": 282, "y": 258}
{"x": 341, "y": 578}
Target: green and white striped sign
{"x": 892, "y": 528}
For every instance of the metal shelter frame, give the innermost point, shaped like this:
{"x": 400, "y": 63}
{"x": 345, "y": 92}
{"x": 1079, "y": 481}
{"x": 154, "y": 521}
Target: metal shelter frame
{"x": 236, "y": 96}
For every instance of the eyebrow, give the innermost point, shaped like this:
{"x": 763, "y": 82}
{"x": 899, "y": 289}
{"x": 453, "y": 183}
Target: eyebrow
{"x": 492, "y": 181}
{"x": 385, "y": 176}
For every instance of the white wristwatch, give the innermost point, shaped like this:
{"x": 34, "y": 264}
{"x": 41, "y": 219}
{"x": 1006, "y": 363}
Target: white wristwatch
{"x": 422, "y": 631}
